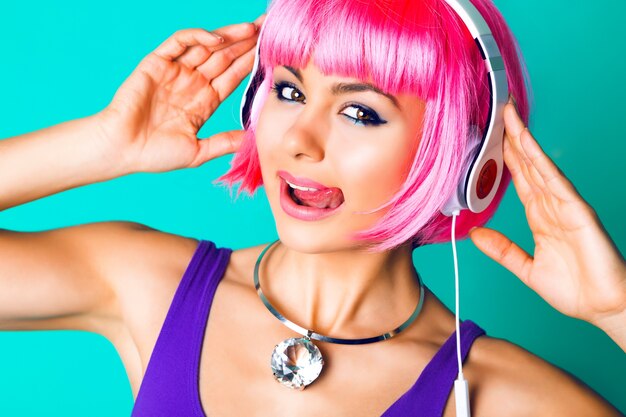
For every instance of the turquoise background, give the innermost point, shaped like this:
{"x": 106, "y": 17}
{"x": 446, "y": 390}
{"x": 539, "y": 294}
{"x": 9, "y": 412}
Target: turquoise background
{"x": 65, "y": 60}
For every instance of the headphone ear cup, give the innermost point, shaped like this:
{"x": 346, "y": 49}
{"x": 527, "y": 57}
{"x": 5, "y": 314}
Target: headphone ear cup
{"x": 458, "y": 199}
{"x": 255, "y": 81}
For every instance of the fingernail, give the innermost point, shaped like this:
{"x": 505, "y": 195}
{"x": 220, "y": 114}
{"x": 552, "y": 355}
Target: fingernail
{"x": 512, "y": 100}
{"x": 218, "y": 36}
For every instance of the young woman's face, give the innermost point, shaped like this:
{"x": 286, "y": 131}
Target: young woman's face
{"x": 358, "y": 142}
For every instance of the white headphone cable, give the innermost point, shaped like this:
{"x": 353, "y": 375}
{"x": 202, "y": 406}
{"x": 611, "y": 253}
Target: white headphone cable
{"x": 461, "y": 389}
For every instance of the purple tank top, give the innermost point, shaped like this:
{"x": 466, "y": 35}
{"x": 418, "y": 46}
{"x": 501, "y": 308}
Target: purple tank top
{"x": 170, "y": 384}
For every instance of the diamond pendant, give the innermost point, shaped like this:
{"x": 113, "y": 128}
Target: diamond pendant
{"x": 296, "y": 362}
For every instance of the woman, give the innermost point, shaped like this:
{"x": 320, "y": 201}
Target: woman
{"x": 115, "y": 287}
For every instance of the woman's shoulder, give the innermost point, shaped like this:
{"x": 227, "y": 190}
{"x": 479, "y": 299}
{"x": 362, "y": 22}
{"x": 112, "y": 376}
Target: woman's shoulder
{"x": 512, "y": 381}
{"x": 136, "y": 254}
{"x": 149, "y": 265}
{"x": 143, "y": 266}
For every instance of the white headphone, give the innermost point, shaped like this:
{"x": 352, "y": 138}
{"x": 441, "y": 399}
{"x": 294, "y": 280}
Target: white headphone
{"x": 477, "y": 187}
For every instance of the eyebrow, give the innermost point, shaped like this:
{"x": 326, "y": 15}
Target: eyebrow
{"x": 344, "y": 88}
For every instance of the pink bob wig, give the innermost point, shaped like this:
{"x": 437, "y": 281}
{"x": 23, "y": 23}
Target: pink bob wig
{"x": 418, "y": 47}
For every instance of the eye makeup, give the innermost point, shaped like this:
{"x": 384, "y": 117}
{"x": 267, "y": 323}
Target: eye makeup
{"x": 362, "y": 115}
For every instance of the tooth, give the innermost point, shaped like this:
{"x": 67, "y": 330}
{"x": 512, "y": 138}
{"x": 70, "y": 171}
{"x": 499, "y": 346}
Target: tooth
{"x": 297, "y": 187}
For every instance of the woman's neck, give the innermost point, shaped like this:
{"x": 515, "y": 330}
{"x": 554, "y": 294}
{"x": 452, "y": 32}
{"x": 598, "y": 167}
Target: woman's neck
{"x": 347, "y": 294}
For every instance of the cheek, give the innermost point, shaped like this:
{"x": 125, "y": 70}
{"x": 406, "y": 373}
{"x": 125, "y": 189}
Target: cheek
{"x": 373, "y": 174}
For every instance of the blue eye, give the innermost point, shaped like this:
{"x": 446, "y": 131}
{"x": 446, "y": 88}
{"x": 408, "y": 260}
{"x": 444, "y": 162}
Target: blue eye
{"x": 363, "y": 115}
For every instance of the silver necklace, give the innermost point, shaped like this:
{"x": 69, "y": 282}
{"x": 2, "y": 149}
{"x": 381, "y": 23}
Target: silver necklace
{"x": 297, "y": 362}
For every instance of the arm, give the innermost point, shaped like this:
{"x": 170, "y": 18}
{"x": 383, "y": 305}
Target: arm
{"x": 66, "y": 278}
{"x": 56, "y": 159}
{"x": 62, "y": 278}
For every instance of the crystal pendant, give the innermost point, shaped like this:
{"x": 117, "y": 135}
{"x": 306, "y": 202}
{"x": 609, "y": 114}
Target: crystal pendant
{"x": 296, "y": 362}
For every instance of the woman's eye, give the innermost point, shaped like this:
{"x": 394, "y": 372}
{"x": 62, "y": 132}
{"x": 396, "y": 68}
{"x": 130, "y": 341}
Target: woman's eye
{"x": 287, "y": 92}
{"x": 358, "y": 114}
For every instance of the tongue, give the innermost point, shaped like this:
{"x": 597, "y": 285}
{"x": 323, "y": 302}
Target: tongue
{"x": 327, "y": 198}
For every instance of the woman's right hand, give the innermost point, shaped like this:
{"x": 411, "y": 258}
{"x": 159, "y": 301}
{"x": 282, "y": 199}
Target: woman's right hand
{"x": 153, "y": 120}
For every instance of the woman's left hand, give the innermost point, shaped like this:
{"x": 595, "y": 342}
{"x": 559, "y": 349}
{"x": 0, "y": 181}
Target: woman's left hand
{"x": 576, "y": 266}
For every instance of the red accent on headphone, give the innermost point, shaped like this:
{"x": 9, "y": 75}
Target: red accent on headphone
{"x": 486, "y": 179}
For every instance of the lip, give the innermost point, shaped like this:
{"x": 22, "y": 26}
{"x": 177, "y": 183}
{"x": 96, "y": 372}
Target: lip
{"x": 302, "y": 212}
{"x": 302, "y": 182}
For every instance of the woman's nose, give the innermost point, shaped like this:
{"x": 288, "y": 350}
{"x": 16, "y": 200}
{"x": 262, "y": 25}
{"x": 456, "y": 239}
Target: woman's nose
{"x": 306, "y": 138}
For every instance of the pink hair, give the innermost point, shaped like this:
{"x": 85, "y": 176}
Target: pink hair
{"x": 418, "y": 47}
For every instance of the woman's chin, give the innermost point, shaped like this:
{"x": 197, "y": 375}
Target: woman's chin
{"x": 309, "y": 240}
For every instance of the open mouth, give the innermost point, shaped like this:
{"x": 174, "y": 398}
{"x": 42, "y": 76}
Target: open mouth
{"x": 308, "y": 203}
{"x": 328, "y": 198}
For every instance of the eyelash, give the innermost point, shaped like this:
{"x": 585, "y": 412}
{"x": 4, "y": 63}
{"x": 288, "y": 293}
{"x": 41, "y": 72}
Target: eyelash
{"x": 375, "y": 120}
